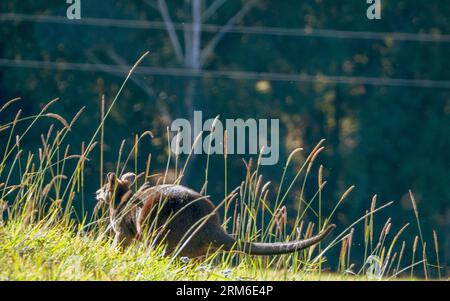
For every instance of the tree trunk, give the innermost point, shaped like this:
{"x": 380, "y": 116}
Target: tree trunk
{"x": 192, "y": 62}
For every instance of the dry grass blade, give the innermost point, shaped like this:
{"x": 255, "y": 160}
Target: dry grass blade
{"x": 49, "y": 104}
{"x": 313, "y": 152}
{"x": 372, "y": 208}
{"x": 8, "y": 103}
{"x": 401, "y": 256}
{"x": 397, "y": 236}
{"x": 91, "y": 148}
{"x": 436, "y": 248}
{"x": 50, "y": 131}
{"x": 138, "y": 62}
{"x": 320, "y": 176}
{"x": 59, "y": 118}
{"x": 47, "y": 187}
{"x": 425, "y": 261}
{"x": 343, "y": 197}
{"x": 383, "y": 231}
{"x": 416, "y": 212}
{"x": 313, "y": 158}
{"x": 292, "y": 154}
{"x": 265, "y": 187}
{"x": 75, "y": 118}
{"x": 147, "y": 133}
{"x": 122, "y": 145}
{"x": 414, "y": 204}
{"x": 416, "y": 240}
{"x": 4, "y": 128}
{"x": 16, "y": 119}
{"x": 263, "y": 149}
{"x": 346, "y": 193}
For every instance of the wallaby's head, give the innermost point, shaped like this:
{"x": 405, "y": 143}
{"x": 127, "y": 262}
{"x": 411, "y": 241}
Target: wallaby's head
{"x": 114, "y": 188}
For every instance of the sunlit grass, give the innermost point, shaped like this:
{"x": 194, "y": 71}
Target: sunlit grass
{"x": 42, "y": 252}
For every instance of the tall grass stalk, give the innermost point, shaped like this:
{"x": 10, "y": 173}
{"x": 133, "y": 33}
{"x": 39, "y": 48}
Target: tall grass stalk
{"x": 436, "y": 249}
{"x": 416, "y": 214}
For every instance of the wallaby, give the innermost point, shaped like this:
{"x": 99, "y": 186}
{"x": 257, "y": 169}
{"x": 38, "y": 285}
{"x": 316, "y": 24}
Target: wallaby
{"x": 182, "y": 215}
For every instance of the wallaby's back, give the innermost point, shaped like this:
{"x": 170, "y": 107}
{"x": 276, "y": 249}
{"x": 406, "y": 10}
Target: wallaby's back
{"x": 182, "y": 214}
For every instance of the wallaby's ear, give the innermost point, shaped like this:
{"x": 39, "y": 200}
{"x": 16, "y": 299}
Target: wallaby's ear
{"x": 128, "y": 178}
{"x": 111, "y": 178}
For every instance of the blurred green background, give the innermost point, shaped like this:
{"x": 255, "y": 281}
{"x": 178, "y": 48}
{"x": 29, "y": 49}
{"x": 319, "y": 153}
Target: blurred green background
{"x": 377, "y": 90}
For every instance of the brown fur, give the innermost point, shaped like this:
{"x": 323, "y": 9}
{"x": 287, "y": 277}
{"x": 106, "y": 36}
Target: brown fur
{"x": 178, "y": 213}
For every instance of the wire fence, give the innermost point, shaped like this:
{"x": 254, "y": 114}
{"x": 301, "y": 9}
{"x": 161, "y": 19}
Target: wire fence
{"x": 221, "y": 74}
{"x": 258, "y": 30}
{"x": 212, "y": 28}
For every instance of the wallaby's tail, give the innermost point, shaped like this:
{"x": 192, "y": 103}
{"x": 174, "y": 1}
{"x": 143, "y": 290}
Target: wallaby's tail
{"x": 274, "y": 248}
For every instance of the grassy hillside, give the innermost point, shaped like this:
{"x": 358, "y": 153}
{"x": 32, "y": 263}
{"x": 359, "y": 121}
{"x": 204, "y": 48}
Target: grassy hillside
{"x": 47, "y": 251}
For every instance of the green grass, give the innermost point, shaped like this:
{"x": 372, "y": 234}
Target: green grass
{"x": 56, "y": 252}
{"x": 41, "y": 252}
{"x": 41, "y": 237}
